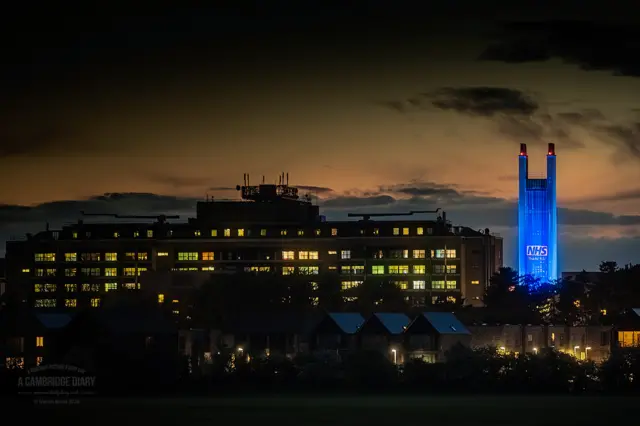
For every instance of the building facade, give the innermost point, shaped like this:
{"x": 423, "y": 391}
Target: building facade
{"x": 272, "y": 231}
{"x": 537, "y": 220}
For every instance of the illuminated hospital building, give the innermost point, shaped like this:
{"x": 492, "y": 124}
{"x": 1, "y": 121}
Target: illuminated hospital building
{"x": 537, "y": 220}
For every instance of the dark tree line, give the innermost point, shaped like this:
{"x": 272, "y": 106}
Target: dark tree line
{"x": 586, "y": 299}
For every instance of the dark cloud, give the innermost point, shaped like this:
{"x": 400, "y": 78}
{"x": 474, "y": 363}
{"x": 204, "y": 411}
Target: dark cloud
{"x": 354, "y": 202}
{"x": 319, "y": 190}
{"x": 626, "y": 137}
{"x": 179, "y": 181}
{"x": 60, "y": 212}
{"x": 591, "y": 46}
{"x": 484, "y": 101}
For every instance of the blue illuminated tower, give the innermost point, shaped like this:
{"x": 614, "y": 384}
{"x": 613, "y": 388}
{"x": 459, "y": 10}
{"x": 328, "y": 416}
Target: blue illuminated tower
{"x": 538, "y": 220}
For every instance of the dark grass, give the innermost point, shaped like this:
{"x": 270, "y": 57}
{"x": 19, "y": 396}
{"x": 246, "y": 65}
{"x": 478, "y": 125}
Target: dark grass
{"x": 343, "y": 410}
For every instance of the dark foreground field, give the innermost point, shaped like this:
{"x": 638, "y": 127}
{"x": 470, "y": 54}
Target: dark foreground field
{"x": 350, "y": 410}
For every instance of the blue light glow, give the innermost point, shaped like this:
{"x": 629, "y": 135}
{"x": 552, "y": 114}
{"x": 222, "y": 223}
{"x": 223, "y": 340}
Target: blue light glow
{"x": 537, "y": 221}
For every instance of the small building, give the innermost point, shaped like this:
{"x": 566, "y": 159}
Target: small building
{"x": 431, "y": 334}
{"x": 257, "y": 334}
{"x": 627, "y": 332}
{"x": 29, "y": 338}
{"x": 337, "y": 331}
{"x": 384, "y": 332}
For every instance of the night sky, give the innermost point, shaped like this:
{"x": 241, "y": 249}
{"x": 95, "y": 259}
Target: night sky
{"x": 370, "y": 109}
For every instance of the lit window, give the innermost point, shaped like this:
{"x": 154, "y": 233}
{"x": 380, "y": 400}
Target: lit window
{"x": 71, "y": 257}
{"x": 318, "y": 232}
{"x": 405, "y": 231}
{"x": 437, "y": 254}
{"x": 227, "y": 232}
{"x": 39, "y": 341}
{"x": 110, "y": 286}
{"x": 451, "y": 285}
{"x": 405, "y": 254}
{"x": 74, "y": 235}
{"x": 91, "y": 257}
{"x": 300, "y": 233}
{"x": 162, "y": 254}
{"x": 287, "y": 270}
{"x": 111, "y": 257}
{"x": 160, "y": 298}
{"x": 70, "y": 272}
{"x": 334, "y": 232}
{"x": 309, "y": 270}
{"x": 452, "y": 269}
{"x": 50, "y": 272}
{"x": 45, "y": 303}
{"x": 45, "y": 257}
{"x": 70, "y": 303}
{"x": 402, "y": 285}
{"x": 396, "y": 231}
{"x": 451, "y": 299}
{"x": 393, "y": 269}
{"x": 332, "y": 252}
{"x": 377, "y": 269}
{"x": 39, "y": 272}
{"x": 313, "y": 255}
{"x": 345, "y": 254}
{"x": 149, "y": 233}
{"x": 143, "y": 256}
{"x": 451, "y": 253}
{"x": 240, "y": 232}
{"x": 26, "y": 270}
{"x": 263, "y": 232}
{"x": 437, "y": 285}
{"x": 288, "y": 255}
{"x": 116, "y": 235}
{"x": 419, "y": 269}
{"x": 189, "y": 255}
{"x": 14, "y": 363}
{"x": 303, "y": 255}
{"x": 136, "y": 234}
{"x": 95, "y": 302}
{"x": 420, "y": 231}
{"x": 207, "y": 255}
{"x": 283, "y": 232}
{"x": 208, "y": 268}
{"x": 346, "y": 285}
{"x": 419, "y": 285}
{"x": 214, "y": 232}
{"x": 403, "y": 269}
{"x": 418, "y": 254}
{"x": 71, "y": 288}
{"x": 38, "y": 360}
{"x": 475, "y": 282}
{"x": 110, "y": 272}
{"x": 196, "y": 233}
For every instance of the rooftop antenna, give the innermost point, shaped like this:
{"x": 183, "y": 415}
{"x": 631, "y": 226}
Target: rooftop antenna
{"x": 287, "y": 178}
{"x": 263, "y": 179}
{"x": 248, "y": 180}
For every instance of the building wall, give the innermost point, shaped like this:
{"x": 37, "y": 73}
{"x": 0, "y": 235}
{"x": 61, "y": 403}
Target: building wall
{"x": 428, "y": 266}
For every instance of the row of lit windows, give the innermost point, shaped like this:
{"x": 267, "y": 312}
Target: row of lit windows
{"x": 68, "y": 303}
{"x": 90, "y": 272}
{"x": 629, "y": 339}
{"x": 302, "y": 270}
{"x": 92, "y": 257}
{"x": 72, "y": 287}
{"x": 241, "y": 232}
{"x": 416, "y": 269}
{"x": 404, "y": 285}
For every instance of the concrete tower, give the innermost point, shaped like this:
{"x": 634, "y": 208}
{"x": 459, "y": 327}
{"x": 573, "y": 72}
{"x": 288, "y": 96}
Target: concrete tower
{"x": 537, "y": 220}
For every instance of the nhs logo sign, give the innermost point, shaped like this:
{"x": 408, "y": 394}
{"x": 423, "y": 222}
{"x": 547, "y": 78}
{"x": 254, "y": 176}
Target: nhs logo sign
{"x": 540, "y": 251}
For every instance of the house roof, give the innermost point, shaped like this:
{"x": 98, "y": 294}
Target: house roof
{"x": 445, "y": 323}
{"x": 395, "y": 323}
{"x": 348, "y": 322}
{"x": 54, "y": 321}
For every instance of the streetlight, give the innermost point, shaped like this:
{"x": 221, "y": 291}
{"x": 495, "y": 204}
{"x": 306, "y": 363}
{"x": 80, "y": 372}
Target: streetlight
{"x": 535, "y": 351}
{"x": 395, "y": 356}
{"x": 586, "y": 352}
